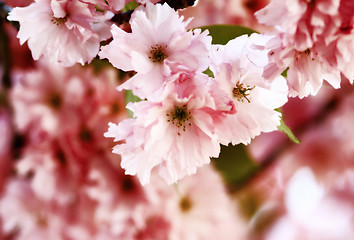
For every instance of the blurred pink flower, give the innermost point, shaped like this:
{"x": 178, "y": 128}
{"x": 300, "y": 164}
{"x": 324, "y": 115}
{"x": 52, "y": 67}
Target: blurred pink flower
{"x": 6, "y": 141}
{"x": 191, "y": 211}
{"x": 238, "y": 12}
{"x": 27, "y": 217}
{"x": 49, "y": 97}
{"x": 161, "y": 47}
{"x": 313, "y": 212}
{"x": 64, "y": 32}
{"x": 64, "y": 138}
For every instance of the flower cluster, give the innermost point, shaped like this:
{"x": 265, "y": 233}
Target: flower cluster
{"x": 64, "y": 32}
{"x": 66, "y": 183}
{"x": 186, "y": 114}
{"x": 314, "y": 39}
{"x": 196, "y": 89}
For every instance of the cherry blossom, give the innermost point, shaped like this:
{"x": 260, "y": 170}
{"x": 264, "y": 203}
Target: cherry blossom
{"x": 314, "y": 41}
{"x": 176, "y": 134}
{"x": 317, "y": 214}
{"x": 190, "y": 205}
{"x": 162, "y": 46}
{"x": 63, "y": 32}
{"x": 238, "y": 70}
{"x": 306, "y": 69}
{"x": 47, "y": 97}
{"x": 21, "y": 209}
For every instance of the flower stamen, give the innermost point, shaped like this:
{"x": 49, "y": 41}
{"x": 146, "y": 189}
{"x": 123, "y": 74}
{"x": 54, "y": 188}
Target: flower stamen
{"x": 59, "y": 21}
{"x": 241, "y": 92}
{"x": 158, "y": 53}
{"x": 180, "y": 116}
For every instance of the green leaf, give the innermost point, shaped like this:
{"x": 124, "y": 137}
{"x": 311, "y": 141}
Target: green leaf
{"x": 130, "y": 97}
{"x": 130, "y": 6}
{"x": 235, "y": 165}
{"x": 285, "y": 72}
{"x": 221, "y": 33}
{"x": 285, "y": 129}
{"x": 209, "y": 73}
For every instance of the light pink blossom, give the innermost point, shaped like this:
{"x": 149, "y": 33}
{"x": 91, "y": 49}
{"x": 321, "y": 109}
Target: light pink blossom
{"x": 318, "y": 213}
{"x": 306, "y": 69}
{"x": 162, "y": 46}
{"x": 304, "y": 22}
{"x": 176, "y": 134}
{"x": 238, "y": 68}
{"x": 48, "y": 97}
{"x": 314, "y": 40}
{"x": 190, "y": 204}
{"x": 20, "y": 209}
{"x": 63, "y": 32}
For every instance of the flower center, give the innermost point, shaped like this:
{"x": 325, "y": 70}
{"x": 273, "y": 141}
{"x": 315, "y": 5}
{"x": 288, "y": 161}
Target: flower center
{"x": 311, "y": 3}
{"x": 185, "y": 204}
{"x": 127, "y": 184}
{"x": 61, "y": 157}
{"x": 85, "y": 135}
{"x": 241, "y": 92}
{"x": 55, "y": 101}
{"x": 180, "y": 116}
{"x": 59, "y": 21}
{"x": 158, "y": 53}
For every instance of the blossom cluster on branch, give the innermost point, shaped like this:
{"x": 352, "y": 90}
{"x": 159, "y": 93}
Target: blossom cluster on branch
{"x": 125, "y": 93}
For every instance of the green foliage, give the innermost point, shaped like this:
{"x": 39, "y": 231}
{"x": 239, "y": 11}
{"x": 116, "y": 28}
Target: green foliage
{"x": 130, "y": 97}
{"x": 285, "y": 72}
{"x": 285, "y": 129}
{"x": 221, "y": 34}
{"x": 130, "y": 6}
{"x": 235, "y": 165}
{"x": 209, "y": 73}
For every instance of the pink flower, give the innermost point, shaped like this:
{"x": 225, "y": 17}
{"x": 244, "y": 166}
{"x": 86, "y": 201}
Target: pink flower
{"x": 238, "y": 68}
{"x": 176, "y": 134}
{"x": 307, "y": 69}
{"x": 21, "y": 210}
{"x": 341, "y": 43}
{"x": 314, "y": 41}
{"x": 49, "y": 97}
{"x": 63, "y": 137}
{"x": 26, "y": 216}
{"x": 49, "y": 100}
{"x": 162, "y": 46}
{"x": 63, "y": 32}
{"x": 318, "y": 213}
{"x": 303, "y": 21}
{"x": 187, "y": 208}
